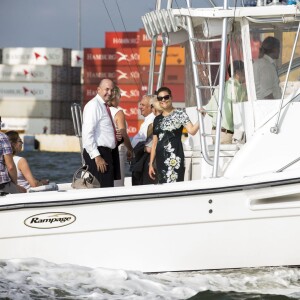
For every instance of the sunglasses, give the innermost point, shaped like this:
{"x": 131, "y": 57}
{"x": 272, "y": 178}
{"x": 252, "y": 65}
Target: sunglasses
{"x": 161, "y": 98}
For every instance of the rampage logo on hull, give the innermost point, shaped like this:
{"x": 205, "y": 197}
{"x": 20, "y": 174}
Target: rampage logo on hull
{"x": 50, "y": 220}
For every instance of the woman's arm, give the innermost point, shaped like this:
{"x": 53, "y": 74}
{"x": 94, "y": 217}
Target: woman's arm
{"x": 192, "y": 128}
{"x": 23, "y": 166}
{"x": 11, "y": 167}
{"x": 152, "y": 157}
{"x": 121, "y": 124}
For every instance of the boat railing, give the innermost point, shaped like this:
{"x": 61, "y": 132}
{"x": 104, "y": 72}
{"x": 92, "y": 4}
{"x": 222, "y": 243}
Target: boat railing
{"x": 163, "y": 22}
{"x": 77, "y": 123}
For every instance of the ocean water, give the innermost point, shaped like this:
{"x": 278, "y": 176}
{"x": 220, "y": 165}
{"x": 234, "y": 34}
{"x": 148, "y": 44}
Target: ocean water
{"x": 55, "y": 166}
{"x": 26, "y": 279}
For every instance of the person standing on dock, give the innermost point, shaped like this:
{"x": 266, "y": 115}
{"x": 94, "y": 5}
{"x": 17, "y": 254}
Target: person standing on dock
{"x": 99, "y": 136}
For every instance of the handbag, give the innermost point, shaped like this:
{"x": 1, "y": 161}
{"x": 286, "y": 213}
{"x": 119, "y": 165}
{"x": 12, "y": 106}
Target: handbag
{"x": 83, "y": 179}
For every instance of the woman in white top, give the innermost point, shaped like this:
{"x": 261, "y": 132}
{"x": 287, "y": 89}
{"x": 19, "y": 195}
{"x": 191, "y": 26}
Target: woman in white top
{"x": 25, "y": 177}
{"x": 121, "y": 125}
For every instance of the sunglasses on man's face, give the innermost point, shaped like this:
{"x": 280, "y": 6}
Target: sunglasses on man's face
{"x": 161, "y": 98}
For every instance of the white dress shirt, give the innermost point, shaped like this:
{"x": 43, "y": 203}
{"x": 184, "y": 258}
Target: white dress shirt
{"x": 266, "y": 78}
{"x": 141, "y": 136}
{"x": 97, "y": 128}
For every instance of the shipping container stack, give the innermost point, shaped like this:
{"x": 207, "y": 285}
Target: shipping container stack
{"x": 37, "y": 87}
{"x": 125, "y": 59}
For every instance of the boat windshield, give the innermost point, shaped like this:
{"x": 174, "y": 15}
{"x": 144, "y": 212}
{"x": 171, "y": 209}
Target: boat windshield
{"x": 271, "y": 50}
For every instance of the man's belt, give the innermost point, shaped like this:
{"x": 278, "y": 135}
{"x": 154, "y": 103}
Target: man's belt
{"x": 224, "y": 130}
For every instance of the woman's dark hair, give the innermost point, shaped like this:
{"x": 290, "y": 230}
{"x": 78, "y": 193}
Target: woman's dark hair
{"x": 238, "y": 65}
{"x": 268, "y": 45}
{"x": 163, "y": 89}
{"x": 13, "y": 137}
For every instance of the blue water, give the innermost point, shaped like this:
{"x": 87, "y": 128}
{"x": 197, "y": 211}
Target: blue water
{"x": 34, "y": 279}
{"x": 58, "y": 167}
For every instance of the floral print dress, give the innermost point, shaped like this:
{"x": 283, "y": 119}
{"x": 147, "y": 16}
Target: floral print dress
{"x": 169, "y": 151}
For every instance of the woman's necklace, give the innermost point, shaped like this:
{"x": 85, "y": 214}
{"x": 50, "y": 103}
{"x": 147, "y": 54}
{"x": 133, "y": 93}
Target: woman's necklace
{"x": 167, "y": 113}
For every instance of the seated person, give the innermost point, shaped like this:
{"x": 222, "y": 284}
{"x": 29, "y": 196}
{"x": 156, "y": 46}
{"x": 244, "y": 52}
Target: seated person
{"x": 265, "y": 70}
{"x": 234, "y": 92}
{"x": 25, "y": 177}
{"x": 8, "y": 171}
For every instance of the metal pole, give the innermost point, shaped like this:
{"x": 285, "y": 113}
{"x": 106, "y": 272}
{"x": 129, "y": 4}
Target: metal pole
{"x": 221, "y": 93}
{"x": 77, "y": 122}
{"x": 197, "y": 84}
{"x": 275, "y": 128}
{"x": 79, "y": 24}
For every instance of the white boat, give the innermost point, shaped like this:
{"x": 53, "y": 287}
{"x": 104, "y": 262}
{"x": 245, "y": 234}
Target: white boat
{"x": 240, "y": 203}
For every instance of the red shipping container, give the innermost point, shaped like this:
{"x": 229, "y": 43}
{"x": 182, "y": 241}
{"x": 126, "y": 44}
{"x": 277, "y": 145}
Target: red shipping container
{"x": 173, "y": 74}
{"x": 144, "y": 41}
{"x": 132, "y": 127}
{"x": 129, "y": 92}
{"x": 176, "y": 89}
{"x": 121, "y": 39}
{"x": 130, "y": 109}
{"x": 119, "y": 74}
{"x": 111, "y": 56}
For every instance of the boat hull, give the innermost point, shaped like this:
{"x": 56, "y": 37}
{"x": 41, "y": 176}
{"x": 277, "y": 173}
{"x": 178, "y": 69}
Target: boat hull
{"x": 155, "y": 232}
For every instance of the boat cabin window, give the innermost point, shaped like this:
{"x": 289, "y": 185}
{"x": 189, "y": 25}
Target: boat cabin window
{"x": 208, "y": 54}
{"x": 271, "y": 50}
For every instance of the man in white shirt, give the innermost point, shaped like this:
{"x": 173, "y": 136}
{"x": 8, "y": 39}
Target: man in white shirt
{"x": 265, "y": 70}
{"x": 142, "y": 157}
{"x": 146, "y": 112}
{"x": 99, "y": 136}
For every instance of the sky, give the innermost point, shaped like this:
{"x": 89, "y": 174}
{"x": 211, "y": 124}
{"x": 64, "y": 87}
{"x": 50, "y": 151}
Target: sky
{"x": 56, "y": 23}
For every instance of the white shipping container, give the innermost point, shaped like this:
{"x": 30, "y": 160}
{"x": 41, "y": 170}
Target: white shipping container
{"x": 34, "y": 73}
{"x": 36, "y": 109}
{"x": 36, "y": 56}
{"x": 37, "y": 125}
{"x": 77, "y": 58}
{"x": 35, "y": 91}
{"x": 27, "y": 125}
{"x": 25, "y": 109}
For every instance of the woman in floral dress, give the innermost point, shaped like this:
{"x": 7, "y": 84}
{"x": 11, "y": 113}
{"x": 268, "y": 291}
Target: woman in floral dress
{"x": 167, "y": 150}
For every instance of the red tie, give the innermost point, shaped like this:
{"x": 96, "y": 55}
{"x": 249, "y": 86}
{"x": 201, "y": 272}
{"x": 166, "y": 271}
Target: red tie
{"x": 112, "y": 122}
